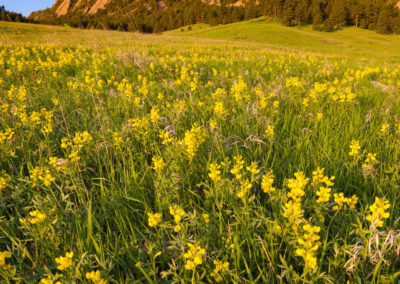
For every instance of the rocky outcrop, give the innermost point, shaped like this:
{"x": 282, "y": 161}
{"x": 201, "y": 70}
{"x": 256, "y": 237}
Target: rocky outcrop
{"x": 100, "y": 4}
{"x": 63, "y": 8}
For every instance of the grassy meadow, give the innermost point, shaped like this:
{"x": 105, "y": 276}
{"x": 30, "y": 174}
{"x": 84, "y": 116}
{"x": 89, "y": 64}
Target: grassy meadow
{"x": 246, "y": 153}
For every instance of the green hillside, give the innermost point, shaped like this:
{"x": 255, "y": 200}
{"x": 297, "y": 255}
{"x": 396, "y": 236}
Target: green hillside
{"x": 263, "y": 33}
{"x": 348, "y": 41}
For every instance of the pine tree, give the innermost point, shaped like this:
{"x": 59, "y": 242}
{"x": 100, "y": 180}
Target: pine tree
{"x": 250, "y": 11}
{"x": 385, "y": 25}
{"x": 356, "y": 11}
{"x": 317, "y": 15}
{"x": 337, "y": 15}
{"x": 288, "y": 13}
{"x": 301, "y": 12}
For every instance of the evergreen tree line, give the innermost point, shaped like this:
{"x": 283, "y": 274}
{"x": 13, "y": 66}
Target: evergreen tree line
{"x": 147, "y": 16}
{"x": 380, "y": 15}
{"x": 10, "y": 16}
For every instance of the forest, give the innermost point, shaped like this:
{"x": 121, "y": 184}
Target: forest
{"x": 149, "y": 17}
{"x": 8, "y": 16}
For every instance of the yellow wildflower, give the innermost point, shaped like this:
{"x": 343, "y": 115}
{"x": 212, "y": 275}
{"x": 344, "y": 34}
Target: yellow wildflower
{"x": 193, "y": 256}
{"x": 384, "y": 128}
{"x": 64, "y": 261}
{"x": 3, "y": 256}
{"x": 270, "y": 131}
{"x": 206, "y": 218}
{"x": 340, "y": 200}
{"x": 237, "y": 167}
{"x": 154, "y": 114}
{"x": 154, "y": 219}
{"x": 253, "y": 169}
{"x": 267, "y": 181}
{"x": 354, "y": 148}
{"x": 215, "y": 173}
{"x": 323, "y": 194}
{"x": 95, "y": 277}
{"x": 378, "y": 212}
{"x": 245, "y": 186}
{"x": 158, "y": 163}
{"x": 297, "y": 186}
{"x": 220, "y": 267}
{"x": 309, "y": 243}
{"x": 177, "y": 212}
{"x": 166, "y": 139}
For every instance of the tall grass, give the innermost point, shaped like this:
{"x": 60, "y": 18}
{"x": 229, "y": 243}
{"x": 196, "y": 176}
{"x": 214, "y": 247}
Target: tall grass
{"x": 97, "y": 140}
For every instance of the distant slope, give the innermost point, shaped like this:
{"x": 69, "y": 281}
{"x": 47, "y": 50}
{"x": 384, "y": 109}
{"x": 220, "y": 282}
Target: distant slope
{"x": 359, "y": 44}
{"x": 348, "y": 41}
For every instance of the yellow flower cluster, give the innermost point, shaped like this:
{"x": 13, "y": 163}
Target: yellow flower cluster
{"x": 64, "y": 261}
{"x": 51, "y": 279}
{"x": 297, "y": 186}
{"x": 220, "y": 268}
{"x": 215, "y": 173}
{"x": 95, "y": 277}
{"x": 324, "y": 192}
{"x": 6, "y": 135}
{"x": 154, "y": 114}
{"x": 378, "y": 212}
{"x": 36, "y": 217}
{"x": 178, "y": 213}
{"x": 368, "y": 165}
{"x": 193, "y": 139}
{"x": 193, "y": 256}
{"x": 118, "y": 140}
{"x": 237, "y": 167}
{"x": 245, "y": 186}
{"x": 58, "y": 163}
{"x": 44, "y": 118}
{"x": 3, "y": 256}
{"x": 319, "y": 177}
{"x": 39, "y": 175}
{"x": 3, "y": 183}
{"x": 154, "y": 219}
{"x": 354, "y": 148}
{"x": 341, "y": 200}
{"x": 238, "y": 90}
{"x": 309, "y": 244}
{"x": 293, "y": 212}
{"x": 384, "y": 128}
{"x": 165, "y": 136}
{"x": 220, "y": 110}
{"x": 139, "y": 126}
{"x": 267, "y": 182}
{"x": 4, "y": 180}
{"x": 206, "y": 218}
{"x": 270, "y": 131}
{"x": 253, "y": 169}
{"x": 158, "y": 164}
{"x": 76, "y": 144}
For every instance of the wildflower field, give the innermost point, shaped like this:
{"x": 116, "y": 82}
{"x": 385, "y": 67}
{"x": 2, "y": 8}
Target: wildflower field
{"x": 162, "y": 159}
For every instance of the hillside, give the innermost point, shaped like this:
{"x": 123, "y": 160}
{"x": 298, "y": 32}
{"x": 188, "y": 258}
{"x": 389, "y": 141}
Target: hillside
{"x": 262, "y": 33}
{"x": 350, "y": 41}
{"x": 154, "y": 16}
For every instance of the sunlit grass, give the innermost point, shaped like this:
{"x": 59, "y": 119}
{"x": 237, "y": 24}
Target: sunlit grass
{"x": 139, "y": 158}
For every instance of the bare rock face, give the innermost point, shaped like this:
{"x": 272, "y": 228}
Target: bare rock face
{"x": 63, "y": 8}
{"x": 100, "y": 4}
{"x": 84, "y": 7}
{"x": 92, "y": 7}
